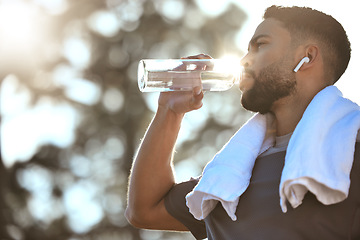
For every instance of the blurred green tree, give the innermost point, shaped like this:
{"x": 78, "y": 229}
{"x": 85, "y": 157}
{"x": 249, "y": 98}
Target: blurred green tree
{"x": 85, "y": 66}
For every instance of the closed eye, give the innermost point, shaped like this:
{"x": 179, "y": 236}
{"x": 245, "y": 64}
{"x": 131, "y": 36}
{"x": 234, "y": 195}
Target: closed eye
{"x": 258, "y": 41}
{"x": 259, "y": 44}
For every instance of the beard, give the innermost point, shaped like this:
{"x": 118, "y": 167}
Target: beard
{"x": 273, "y": 82}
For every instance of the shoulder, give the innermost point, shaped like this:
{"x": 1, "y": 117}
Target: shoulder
{"x": 175, "y": 204}
{"x": 176, "y": 195}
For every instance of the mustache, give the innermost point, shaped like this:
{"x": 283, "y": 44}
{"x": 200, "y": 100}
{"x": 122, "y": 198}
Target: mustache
{"x": 249, "y": 72}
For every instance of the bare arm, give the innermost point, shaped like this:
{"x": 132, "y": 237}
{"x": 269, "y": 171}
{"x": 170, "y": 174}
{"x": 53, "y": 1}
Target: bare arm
{"x": 152, "y": 172}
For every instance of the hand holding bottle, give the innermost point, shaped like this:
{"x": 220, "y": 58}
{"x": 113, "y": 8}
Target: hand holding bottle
{"x": 181, "y": 102}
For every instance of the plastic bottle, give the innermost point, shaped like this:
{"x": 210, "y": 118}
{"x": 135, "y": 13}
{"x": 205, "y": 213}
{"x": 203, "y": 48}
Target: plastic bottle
{"x": 162, "y": 75}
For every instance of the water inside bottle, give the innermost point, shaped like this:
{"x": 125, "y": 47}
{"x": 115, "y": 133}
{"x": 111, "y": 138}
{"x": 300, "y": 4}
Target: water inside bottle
{"x": 217, "y": 81}
{"x": 186, "y": 80}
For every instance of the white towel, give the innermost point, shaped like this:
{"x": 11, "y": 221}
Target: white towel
{"x": 319, "y": 157}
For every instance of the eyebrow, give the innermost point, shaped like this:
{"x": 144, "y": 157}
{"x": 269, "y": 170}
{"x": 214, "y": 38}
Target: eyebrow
{"x": 254, "y": 39}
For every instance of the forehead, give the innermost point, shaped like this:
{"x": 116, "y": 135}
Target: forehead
{"x": 274, "y": 29}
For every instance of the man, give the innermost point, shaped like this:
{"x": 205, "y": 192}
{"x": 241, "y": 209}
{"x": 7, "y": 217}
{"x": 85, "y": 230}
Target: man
{"x": 271, "y": 87}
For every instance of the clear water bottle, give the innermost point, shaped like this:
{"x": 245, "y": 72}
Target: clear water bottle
{"x": 163, "y": 75}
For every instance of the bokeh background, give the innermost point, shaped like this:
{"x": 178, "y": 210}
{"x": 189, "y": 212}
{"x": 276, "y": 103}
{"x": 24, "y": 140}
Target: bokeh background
{"x": 72, "y": 116}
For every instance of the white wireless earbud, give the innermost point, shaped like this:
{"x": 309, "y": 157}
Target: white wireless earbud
{"x": 304, "y": 60}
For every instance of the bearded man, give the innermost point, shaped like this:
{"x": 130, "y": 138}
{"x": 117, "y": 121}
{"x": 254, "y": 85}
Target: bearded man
{"x": 291, "y": 172}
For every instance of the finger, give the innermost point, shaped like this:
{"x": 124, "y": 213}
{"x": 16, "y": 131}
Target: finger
{"x": 200, "y": 56}
{"x": 188, "y": 62}
{"x": 199, "y": 65}
{"x": 196, "y": 100}
{"x": 197, "y": 90}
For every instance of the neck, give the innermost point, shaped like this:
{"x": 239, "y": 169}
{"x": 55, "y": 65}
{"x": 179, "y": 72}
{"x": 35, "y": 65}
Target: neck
{"x": 288, "y": 112}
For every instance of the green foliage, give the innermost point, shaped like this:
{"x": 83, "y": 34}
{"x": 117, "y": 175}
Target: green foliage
{"x": 78, "y": 190}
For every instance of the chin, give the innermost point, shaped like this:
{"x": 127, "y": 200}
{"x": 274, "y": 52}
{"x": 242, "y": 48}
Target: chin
{"x": 255, "y": 104}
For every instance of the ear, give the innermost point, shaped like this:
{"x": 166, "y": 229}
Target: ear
{"x": 304, "y": 60}
{"x": 313, "y": 53}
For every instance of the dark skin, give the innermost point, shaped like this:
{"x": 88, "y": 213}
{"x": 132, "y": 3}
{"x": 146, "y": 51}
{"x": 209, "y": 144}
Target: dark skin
{"x": 270, "y": 43}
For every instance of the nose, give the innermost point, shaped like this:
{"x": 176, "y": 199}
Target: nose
{"x": 245, "y": 61}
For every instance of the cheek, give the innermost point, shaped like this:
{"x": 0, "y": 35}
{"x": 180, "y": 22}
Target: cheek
{"x": 264, "y": 59}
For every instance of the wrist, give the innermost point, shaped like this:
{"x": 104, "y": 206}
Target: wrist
{"x": 168, "y": 113}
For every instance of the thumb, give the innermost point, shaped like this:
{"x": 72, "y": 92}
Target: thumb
{"x": 196, "y": 100}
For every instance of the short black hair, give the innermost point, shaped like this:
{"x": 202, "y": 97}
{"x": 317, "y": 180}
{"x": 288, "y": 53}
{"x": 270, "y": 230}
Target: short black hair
{"x": 306, "y": 23}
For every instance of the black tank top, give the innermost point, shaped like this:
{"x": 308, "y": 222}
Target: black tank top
{"x": 259, "y": 215}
